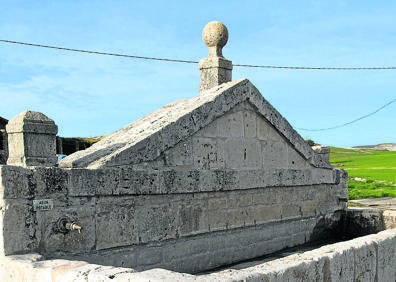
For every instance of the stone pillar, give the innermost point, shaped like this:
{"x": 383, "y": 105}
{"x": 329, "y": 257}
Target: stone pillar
{"x": 215, "y": 69}
{"x": 322, "y": 155}
{"x": 31, "y": 140}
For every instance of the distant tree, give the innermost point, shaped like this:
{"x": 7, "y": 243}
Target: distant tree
{"x": 310, "y": 142}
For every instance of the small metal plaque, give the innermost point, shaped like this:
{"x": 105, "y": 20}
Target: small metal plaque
{"x": 43, "y": 205}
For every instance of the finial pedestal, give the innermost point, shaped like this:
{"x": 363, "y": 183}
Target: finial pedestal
{"x": 214, "y": 69}
{"x": 32, "y": 140}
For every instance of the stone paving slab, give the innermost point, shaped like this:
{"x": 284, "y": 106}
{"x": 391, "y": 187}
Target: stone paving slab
{"x": 387, "y": 203}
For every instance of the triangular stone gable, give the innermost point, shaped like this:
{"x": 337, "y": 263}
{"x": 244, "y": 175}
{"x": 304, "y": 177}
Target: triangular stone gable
{"x": 240, "y": 139}
{"x": 240, "y": 110}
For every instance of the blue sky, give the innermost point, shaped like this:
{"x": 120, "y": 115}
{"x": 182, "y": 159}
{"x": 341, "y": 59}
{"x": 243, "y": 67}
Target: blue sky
{"x": 90, "y": 95}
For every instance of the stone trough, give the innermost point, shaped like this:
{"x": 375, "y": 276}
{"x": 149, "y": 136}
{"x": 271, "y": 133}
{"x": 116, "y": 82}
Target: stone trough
{"x": 199, "y": 187}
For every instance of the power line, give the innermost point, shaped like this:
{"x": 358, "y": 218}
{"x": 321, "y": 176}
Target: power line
{"x": 98, "y": 52}
{"x": 350, "y": 122}
{"x": 191, "y": 61}
{"x": 314, "y": 68}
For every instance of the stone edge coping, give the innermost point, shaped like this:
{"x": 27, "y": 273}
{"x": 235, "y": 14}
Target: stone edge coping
{"x": 25, "y": 183}
{"x": 34, "y": 267}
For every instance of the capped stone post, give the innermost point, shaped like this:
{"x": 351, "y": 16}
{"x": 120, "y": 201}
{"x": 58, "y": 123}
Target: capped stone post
{"x": 31, "y": 140}
{"x": 214, "y": 69}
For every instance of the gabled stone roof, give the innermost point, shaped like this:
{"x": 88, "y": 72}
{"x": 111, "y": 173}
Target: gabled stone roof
{"x": 147, "y": 138}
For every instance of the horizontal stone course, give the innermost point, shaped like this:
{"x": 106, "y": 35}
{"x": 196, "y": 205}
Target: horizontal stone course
{"x": 26, "y": 183}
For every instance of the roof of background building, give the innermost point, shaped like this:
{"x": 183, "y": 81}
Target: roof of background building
{"x": 3, "y": 123}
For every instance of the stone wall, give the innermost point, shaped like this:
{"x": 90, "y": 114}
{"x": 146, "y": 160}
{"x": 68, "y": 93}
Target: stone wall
{"x": 185, "y": 220}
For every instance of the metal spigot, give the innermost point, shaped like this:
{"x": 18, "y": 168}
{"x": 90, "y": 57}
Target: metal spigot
{"x": 73, "y": 226}
{"x": 65, "y": 225}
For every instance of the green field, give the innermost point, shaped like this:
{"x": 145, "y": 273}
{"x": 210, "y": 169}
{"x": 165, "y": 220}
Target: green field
{"x": 372, "y": 173}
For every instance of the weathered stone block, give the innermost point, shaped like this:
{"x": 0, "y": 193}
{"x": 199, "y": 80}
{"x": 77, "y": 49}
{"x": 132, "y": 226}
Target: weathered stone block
{"x": 218, "y": 180}
{"x": 193, "y": 218}
{"x": 365, "y": 260}
{"x": 253, "y": 178}
{"x": 80, "y": 210}
{"x": 51, "y": 181}
{"x": 184, "y": 249}
{"x": 206, "y": 153}
{"x": 242, "y": 153}
{"x": 309, "y": 208}
{"x": 299, "y": 269}
{"x": 18, "y": 229}
{"x": 180, "y": 155}
{"x": 322, "y": 176}
{"x": 208, "y": 131}
{"x": 389, "y": 219}
{"x": 119, "y": 257}
{"x": 386, "y": 256}
{"x": 138, "y": 182}
{"x": 289, "y": 196}
{"x": 149, "y": 256}
{"x": 157, "y": 222}
{"x": 244, "y": 199}
{"x": 250, "y": 124}
{"x": 268, "y": 213}
{"x": 230, "y": 125}
{"x": 296, "y": 160}
{"x": 83, "y": 182}
{"x": 116, "y": 223}
{"x": 179, "y": 181}
{"x": 107, "y": 181}
{"x": 217, "y": 203}
{"x": 261, "y": 197}
{"x": 263, "y": 128}
{"x": 218, "y": 220}
{"x": 290, "y": 210}
{"x": 237, "y": 218}
{"x": 274, "y": 154}
{"x": 211, "y": 180}
{"x": 16, "y": 182}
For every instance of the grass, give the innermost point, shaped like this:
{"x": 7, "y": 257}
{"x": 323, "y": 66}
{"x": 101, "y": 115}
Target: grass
{"x": 372, "y": 173}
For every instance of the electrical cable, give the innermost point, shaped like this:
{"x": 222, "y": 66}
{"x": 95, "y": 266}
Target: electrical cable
{"x": 350, "y": 122}
{"x": 98, "y": 52}
{"x": 191, "y": 61}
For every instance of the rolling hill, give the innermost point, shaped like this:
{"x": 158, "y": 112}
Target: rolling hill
{"x": 372, "y": 172}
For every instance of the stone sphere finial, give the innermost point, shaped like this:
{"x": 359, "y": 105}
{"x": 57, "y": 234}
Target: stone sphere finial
{"x": 215, "y": 36}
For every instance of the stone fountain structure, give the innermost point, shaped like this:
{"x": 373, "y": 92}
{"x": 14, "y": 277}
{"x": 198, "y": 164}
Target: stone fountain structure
{"x": 198, "y": 184}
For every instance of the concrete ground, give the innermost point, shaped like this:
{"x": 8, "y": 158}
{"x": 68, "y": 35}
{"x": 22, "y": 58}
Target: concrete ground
{"x": 387, "y": 203}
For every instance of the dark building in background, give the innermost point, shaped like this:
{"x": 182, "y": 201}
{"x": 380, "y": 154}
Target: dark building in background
{"x": 3, "y": 141}
{"x": 3, "y": 123}
{"x": 67, "y": 146}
